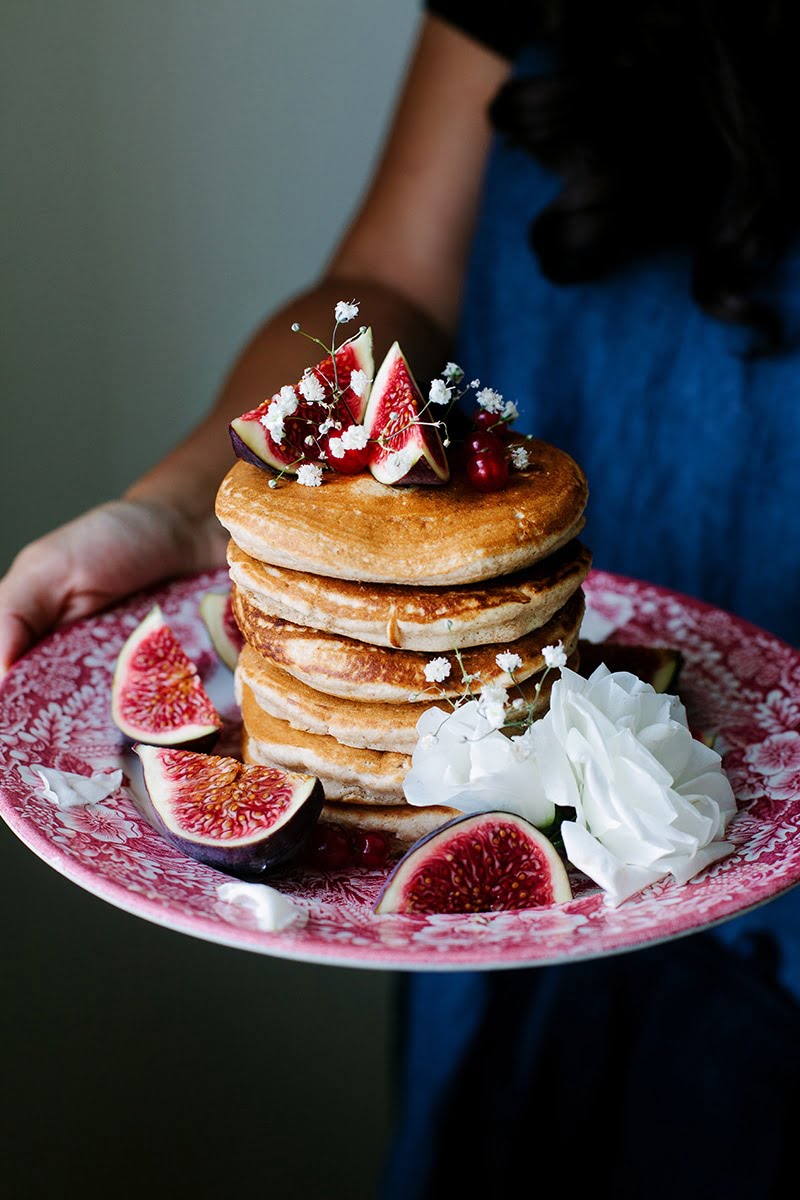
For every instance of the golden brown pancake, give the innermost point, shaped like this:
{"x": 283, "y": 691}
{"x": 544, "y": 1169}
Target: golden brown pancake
{"x": 430, "y": 619}
{"x": 401, "y": 824}
{"x": 355, "y": 723}
{"x": 353, "y": 527}
{"x": 356, "y": 776}
{"x": 349, "y": 669}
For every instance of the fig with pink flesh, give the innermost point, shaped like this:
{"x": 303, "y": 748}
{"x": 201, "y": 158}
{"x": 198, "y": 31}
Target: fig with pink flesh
{"x": 238, "y": 818}
{"x": 405, "y": 450}
{"x": 485, "y": 862}
{"x": 157, "y": 696}
{"x": 226, "y": 638}
{"x": 252, "y": 440}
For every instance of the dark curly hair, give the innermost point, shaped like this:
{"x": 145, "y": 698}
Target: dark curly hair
{"x": 670, "y": 122}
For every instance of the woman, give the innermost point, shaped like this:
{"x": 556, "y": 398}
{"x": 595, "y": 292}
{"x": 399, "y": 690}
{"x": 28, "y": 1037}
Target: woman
{"x": 621, "y": 263}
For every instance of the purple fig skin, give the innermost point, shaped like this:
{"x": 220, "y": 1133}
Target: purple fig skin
{"x": 391, "y": 894}
{"x": 246, "y": 454}
{"x": 265, "y": 851}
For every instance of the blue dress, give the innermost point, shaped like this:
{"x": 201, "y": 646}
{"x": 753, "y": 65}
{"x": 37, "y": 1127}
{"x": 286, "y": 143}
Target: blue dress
{"x": 673, "y": 1070}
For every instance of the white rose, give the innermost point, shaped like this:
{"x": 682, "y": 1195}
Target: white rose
{"x": 462, "y": 762}
{"x": 650, "y": 799}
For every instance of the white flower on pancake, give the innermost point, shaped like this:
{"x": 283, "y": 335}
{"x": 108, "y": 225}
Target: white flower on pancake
{"x": 355, "y": 437}
{"x": 311, "y": 388}
{"x": 462, "y": 762}
{"x": 492, "y": 704}
{"x": 650, "y": 799}
{"x": 510, "y": 411}
{"x": 272, "y": 420}
{"x": 310, "y": 475}
{"x": 336, "y": 447}
{"x": 439, "y": 392}
{"x": 507, "y": 661}
{"x": 520, "y": 457}
{"x": 346, "y": 310}
{"x": 358, "y": 382}
{"x": 453, "y": 373}
{"x": 554, "y": 656}
{"x": 437, "y": 670}
{"x": 490, "y": 400}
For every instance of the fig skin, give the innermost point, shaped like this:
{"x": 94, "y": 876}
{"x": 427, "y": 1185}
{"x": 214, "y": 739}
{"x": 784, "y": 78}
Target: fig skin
{"x": 395, "y": 893}
{"x": 248, "y": 859}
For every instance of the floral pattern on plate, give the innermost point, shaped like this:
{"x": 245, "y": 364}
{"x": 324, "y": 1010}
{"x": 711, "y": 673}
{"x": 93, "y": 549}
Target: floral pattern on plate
{"x": 738, "y": 682}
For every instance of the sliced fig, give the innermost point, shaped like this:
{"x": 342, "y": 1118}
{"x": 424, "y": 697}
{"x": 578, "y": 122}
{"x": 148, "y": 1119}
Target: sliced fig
{"x": 657, "y": 665}
{"x": 156, "y": 695}
{"x": 253, "y": 442}
{"x": 226, "y": 637}
{"x": 404, "y": 451}
{"x": 241, "y": 819}
{"x": 485, "y": 862}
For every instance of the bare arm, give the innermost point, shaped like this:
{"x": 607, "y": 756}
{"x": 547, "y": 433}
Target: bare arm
{"x": 402, "y": 258}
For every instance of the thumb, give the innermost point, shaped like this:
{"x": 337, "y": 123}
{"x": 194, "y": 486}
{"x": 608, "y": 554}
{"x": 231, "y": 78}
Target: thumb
{"x": 28, "y": 609}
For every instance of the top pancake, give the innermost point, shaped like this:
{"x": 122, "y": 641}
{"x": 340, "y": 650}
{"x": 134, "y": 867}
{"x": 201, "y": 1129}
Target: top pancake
{"x": 353, "y": 527}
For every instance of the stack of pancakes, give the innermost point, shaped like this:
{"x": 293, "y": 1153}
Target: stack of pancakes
{"x": 345, "y": 592}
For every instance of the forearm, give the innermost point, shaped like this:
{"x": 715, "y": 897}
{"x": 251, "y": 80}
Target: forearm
{"x": 189, "y": 476}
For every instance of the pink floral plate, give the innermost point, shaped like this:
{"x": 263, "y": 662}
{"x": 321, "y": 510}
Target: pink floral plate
{"x": 737, "y": 680}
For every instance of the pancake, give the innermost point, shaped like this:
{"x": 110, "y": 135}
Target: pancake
{"x": 353, "y": 775}
{"x": 353, "y": 527}
{"x": 432, "y": 619}
{"x": 402, "y": 824}
{"x": 355, "y": 723}
{"x": 346, "y": 668}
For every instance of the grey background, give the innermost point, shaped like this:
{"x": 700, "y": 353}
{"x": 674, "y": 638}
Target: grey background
{"x": 171, "y": 170}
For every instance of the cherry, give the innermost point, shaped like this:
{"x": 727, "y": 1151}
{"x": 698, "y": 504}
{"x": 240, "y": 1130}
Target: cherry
{"x": 486, "y": 421}
{"x": 352, "y": 462}
{"x": 369, "y": 849}
{"x": 483, "y": 442}
{"x": 487, "y": 472}
{"x": 328, "y": 848}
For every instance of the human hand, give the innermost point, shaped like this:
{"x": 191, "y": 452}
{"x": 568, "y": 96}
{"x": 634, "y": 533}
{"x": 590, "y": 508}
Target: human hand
{"x": 100, "y": 557}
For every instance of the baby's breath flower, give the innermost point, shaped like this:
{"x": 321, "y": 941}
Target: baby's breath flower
{"x": 492, "y": 704}
{"x": 453, "y": 373}
{"x": 519, "y": 457}
{"x": 355, "y": 437}
{"x": 437, "y": 670}
{"x": 312, "y": 389}
{"x": 439, "y": 392}
{"x": 475, "y": 383}
{"x": 508, "y": 661}
{"x": 296, "y": 327}
{"x": 336, "y": 447}
{"x": 310, "y": 475}
{"x": 272, "y": 420}
{"x": 510, "y": 411}
{"x": 273, "y": 483}
{"x": 287, "y": 399}
{"x": 327, "y": 425}
{"x": 358, "y": 382}
{"x": 309, "y": 441}
{"x": 554, "y": 656}
{"x": 446, "y": 443}
{"x": 518, "y": 704}
{"x": 345, "y": 311}
{"x": 490, "y": 400}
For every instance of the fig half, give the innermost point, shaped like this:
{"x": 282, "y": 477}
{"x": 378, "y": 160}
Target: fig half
{"x": 238, "y": 818}
{"x": 253, "y": 443}
{"x": 484, "y": 862}
{"x": 157, "y": 696}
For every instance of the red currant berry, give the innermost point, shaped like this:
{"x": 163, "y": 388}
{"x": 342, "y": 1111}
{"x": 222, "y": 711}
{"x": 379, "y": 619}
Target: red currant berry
{"x": 369, "y": 849}
{"x": 483, "y": 442}
{"x": 487, "y": 473}
{"x": 328, "y": 848}
{"x": 352, "y": 462}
